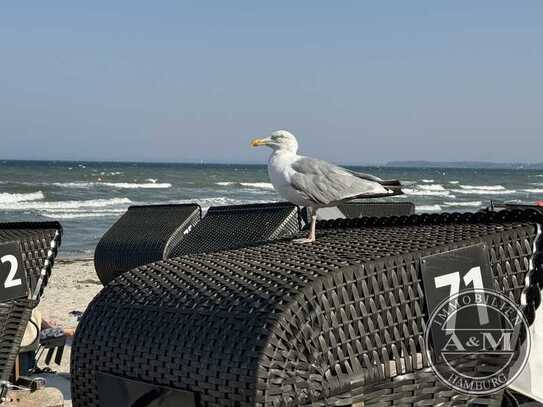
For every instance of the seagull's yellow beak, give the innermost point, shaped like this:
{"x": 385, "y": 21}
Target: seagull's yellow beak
{"x": 258, "y": 142}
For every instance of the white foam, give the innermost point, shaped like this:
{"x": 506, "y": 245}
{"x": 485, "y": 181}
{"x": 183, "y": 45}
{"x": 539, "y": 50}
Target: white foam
{"x": 121, "y": 185}
{"x": 422, "y": 192}
{"x": 7, "y": 198}
{"x": 454, "y": 182}
{"x": 428, "y": 208}
{"x": 78, "y": 184}
{"x": 433, "y": 187}
{"x": 534, "y": 191}
{"x": 428, "y": 181}
{"x": 262, "y": 185}
{"x": 127, "y": 185}
{"x": 60, "y": 205}
{"x": 258, "y": 185}
{"x": 206, "y": 203}
{"x": 484, "y": 191}
{"x": 67, "y": 215}
{"x": 484, "y": 187}
{"x": 475, "y": 204}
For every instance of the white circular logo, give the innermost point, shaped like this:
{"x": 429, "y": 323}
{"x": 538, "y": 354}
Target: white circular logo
{"x": 477, "y": 341}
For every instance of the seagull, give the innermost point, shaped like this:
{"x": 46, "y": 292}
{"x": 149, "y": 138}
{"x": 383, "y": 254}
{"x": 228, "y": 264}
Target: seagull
{"x": 315, "y": 183}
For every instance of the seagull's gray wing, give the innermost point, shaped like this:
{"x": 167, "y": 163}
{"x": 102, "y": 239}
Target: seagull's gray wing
{"x": 325, "y": 183}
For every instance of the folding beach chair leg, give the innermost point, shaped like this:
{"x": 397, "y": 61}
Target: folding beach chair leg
{"x": 49, "y": 356}
{"x": 58, "y": 357}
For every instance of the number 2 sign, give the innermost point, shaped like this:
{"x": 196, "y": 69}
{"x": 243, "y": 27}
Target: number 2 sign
{"x": 13, "y": 283}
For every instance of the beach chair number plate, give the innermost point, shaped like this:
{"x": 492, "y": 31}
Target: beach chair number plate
{"x": 13, "y": 283}
{"x": 446, "y": 275}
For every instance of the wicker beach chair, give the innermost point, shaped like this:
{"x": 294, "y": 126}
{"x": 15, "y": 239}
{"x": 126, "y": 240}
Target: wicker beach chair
{"x": 359, "y": 209}
{"x": 157, "y": 232}
{"x": 37, "y": 245}
{"x": 142, "y": 235}
{"x": 338, "y": 322}
{"x": 227, "y": 227}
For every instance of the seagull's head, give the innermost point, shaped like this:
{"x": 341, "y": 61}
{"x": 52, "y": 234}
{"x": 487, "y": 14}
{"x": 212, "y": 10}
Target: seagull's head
{"x": 280, "y": 140}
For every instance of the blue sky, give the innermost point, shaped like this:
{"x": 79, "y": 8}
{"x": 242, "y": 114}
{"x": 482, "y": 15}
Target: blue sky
{"x": 357, "y": 82}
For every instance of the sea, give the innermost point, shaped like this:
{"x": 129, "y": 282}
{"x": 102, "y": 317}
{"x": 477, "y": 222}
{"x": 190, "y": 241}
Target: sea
{"x": 88, "y": 197}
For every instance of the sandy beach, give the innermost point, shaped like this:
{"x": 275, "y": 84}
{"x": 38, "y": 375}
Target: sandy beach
{"x": 72, "y": 286}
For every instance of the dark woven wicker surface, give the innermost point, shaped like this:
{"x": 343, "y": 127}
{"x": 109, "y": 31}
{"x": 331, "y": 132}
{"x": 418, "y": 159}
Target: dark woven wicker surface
{"x": 331, "y": 323}
{"x": 227, "y": 227}
{"x": 38, "y": 255}
{"x": 142, "y": 235}
{"x": 378, "y": 209}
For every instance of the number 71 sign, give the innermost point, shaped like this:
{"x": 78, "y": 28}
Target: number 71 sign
{"x": 444, "y": 275}
{"x": 13, "y": 282}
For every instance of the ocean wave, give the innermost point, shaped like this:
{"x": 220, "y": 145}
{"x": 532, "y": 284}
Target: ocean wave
{"x": 454, "y": 182}
{"x": 206, "y": 203}
{"x": 428, "y": 181}
{"x": 61, "y": 205}
{"x": 76, "y": 184}
{"x": 68, "y": 215}
{"x": 484, "y": 187}
{"x": 9, "y": 198}
{"x": 432, "y": 187}
{"x": 475, "y": 204}
{"x": 485, "y": 191}
{"x": 121, "y": 185}
{"x": 533, "y": 190}
{"x": 127, "y": 185}
{"x": 259, "y": 185}
{"x": 428, "y": 208}
{"x": 423, "y": 192}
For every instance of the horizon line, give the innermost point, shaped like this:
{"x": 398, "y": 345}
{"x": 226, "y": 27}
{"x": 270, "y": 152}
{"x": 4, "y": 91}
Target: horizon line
{"x": 390, "y": 164}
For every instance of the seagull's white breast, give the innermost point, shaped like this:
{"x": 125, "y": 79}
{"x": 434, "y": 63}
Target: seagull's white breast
{"x": 280, "y": 171}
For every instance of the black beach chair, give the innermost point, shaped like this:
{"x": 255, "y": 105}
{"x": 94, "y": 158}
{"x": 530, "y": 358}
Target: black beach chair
{"x": 338, "y": 322}
{"x": 359, "y": 209}
{"x": 145, "y": 234}
{"x": 150, "y": 233}
{"x": 33, "y": 248}
{"x": 228, "y": 227}
{"x": 142, "y": 235}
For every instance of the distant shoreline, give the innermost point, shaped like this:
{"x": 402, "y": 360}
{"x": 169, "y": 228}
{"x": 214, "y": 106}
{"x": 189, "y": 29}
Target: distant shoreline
{"x": 482, "y": 165}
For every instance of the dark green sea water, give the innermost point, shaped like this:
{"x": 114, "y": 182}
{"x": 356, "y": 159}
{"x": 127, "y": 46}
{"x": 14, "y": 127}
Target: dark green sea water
{"x": 87, "y": 198}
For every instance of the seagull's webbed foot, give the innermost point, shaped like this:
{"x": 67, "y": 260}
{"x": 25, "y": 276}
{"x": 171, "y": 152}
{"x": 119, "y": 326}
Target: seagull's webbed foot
{"x": 304, "y": 240}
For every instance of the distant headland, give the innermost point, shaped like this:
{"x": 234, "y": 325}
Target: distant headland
{"x": 466, "y": 164}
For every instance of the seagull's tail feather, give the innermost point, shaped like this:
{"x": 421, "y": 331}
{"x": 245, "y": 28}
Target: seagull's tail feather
{"x": 394, "y": 186}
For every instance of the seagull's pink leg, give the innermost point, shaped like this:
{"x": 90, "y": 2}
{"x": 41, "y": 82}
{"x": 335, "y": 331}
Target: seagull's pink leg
{"x": 312, "y": 228}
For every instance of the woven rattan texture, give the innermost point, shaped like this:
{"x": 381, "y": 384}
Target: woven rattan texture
{"x": 227, "y": 227}
{"x": 379, "y": 209}
{"x": 38, "y": 255}
{"x": 142, "y": 235}
{"x": 332, "y": 323}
